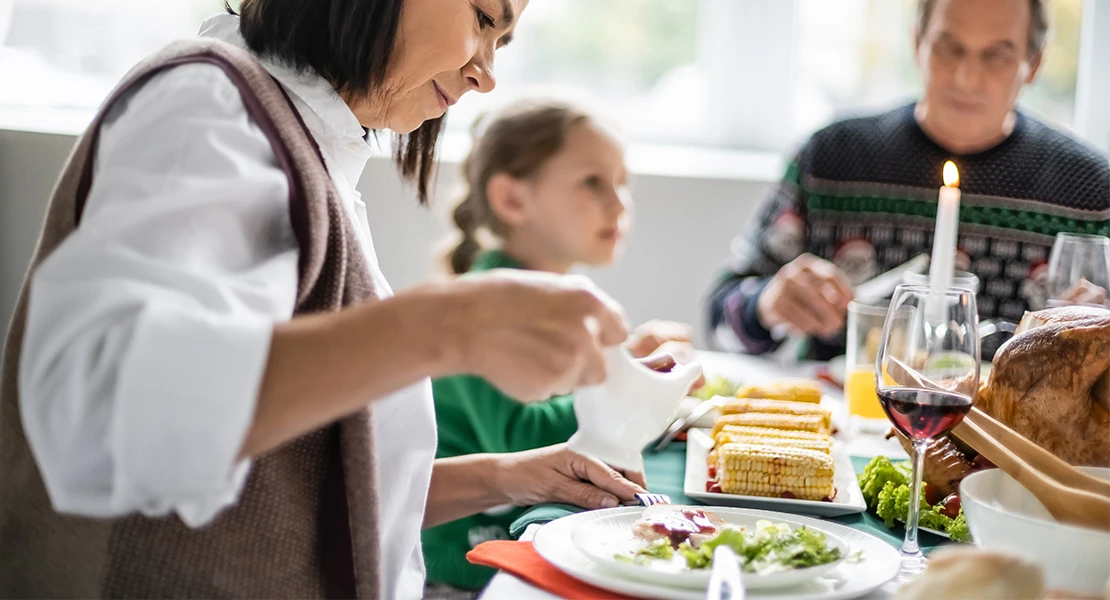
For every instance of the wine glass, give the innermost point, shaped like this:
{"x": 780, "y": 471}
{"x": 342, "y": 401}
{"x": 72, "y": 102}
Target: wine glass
{"x": 1077, "y": 256}
{"x": 926, "y": 375}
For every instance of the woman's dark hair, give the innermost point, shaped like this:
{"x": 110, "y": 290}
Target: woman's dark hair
{"x": 518, "y": 141}
{"x": 348, "y": 42}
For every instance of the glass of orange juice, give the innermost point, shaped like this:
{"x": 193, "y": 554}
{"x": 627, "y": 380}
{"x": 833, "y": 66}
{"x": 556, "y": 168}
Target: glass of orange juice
{"x": 865, "y": 328}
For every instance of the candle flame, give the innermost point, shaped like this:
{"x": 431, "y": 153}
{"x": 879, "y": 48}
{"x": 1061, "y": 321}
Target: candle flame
{"x": 951, "y": 175}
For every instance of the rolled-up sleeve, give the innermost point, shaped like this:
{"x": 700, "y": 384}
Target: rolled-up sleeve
{"x": 148, "y": 329}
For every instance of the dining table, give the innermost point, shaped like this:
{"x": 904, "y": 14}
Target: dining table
{"x": 665, "y": 470}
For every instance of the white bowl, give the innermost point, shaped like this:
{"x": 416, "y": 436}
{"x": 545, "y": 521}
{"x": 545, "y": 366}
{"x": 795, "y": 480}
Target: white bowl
{"x": 1003, "y": 515}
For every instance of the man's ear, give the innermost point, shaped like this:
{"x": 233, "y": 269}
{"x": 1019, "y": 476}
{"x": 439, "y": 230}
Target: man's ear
{"x": 1034, "y": 68}
{"x": 507, "y": 197}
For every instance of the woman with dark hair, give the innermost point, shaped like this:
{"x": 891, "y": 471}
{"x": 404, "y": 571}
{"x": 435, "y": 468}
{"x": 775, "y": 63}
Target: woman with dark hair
{"x": 208, "y": 388}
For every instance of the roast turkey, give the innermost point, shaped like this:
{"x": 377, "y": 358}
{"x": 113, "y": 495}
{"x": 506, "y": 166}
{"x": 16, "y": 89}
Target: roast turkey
{"x": 1051, "y": 384}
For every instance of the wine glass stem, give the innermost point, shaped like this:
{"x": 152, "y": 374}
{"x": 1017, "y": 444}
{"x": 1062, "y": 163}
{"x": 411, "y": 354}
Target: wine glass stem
{"x": 910, "y": 545}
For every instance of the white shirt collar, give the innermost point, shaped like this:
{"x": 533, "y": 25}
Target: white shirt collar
{"x": 335, "y": 127}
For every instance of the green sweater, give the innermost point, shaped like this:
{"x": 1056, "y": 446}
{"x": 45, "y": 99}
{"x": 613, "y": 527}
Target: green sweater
{"x": 473, "y": 417}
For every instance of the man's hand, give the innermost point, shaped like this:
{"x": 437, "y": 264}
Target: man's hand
{"x": 810, "y": 294}
{"x": 555, "y": 474}
{"x": 1085, "y": 292}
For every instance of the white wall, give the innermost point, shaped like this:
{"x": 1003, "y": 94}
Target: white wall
{"x": 681, "y": 235}
{"x": 29, "y": 165}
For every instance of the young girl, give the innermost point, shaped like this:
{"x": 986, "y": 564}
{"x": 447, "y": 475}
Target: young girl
{"x": 550, "y": 185}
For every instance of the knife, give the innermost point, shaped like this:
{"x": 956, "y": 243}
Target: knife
{"x": 726, "y": 581}
{"x": 680, "y": 425}
{"x": 880, "y": 287}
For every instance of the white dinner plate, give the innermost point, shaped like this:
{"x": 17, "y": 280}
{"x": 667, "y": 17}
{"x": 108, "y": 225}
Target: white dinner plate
{"x": 609, "y": 533}
{"x": 849, "y": 499}
{"x": 871, "y": 562}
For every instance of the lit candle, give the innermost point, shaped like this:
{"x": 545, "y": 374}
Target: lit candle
{"x": 942, "y": 267}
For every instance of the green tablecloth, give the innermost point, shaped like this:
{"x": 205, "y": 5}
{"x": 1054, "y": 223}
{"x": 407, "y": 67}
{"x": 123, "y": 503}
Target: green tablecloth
{"x": 666, "y": 472}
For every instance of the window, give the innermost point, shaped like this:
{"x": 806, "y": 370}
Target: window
{"x": 1053, "y": 94}
{"x": 632, "y": 57}
{"x": 857, "y": 55}
{"x": 741, "y": 74}
{"x": 68, "y": 54}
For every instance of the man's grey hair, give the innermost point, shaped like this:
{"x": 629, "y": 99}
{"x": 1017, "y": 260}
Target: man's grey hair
{"x": 1038, "y": 22}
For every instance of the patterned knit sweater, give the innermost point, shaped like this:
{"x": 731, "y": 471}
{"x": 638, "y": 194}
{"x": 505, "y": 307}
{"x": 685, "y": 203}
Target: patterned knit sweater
{"x": 862, "y": 193}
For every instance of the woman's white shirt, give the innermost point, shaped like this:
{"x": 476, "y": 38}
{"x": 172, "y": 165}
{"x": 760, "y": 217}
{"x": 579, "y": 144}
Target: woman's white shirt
{"x": 148, "y": 329}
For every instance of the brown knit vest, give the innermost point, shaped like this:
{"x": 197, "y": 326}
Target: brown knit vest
{"x": 305, "y": 525}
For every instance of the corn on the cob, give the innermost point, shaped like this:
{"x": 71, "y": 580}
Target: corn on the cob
{"x": 799, "y": 390}
{"x": 757, "y": 470}
{"x": 781, "y": 407}
{"x": 822, "y": 443}
{"x": 770, "y": 433}
{"x": 814, "y": 423}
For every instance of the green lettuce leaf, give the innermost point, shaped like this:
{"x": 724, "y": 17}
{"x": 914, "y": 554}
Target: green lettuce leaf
{"x": 877, "y": 474}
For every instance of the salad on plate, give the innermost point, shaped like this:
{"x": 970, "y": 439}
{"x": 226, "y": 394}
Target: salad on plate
{"x": 686, "y": 538}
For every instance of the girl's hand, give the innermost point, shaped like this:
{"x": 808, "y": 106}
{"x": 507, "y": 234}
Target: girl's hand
{"x": 671, "y": 354}
{"x": 651, "y": 335}
{"x": 533, "y": 335}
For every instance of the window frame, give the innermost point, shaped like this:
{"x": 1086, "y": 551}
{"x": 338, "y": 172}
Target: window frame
{"x": 1092, "y": 94}
{"x": 743, "y": 115}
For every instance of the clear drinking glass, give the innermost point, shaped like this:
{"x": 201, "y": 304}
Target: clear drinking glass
{"x": 865, "y": 330}
{"x": 960, "y": 279}
{"x": 926, "y": 376}
{"x": 1077, "y": 256}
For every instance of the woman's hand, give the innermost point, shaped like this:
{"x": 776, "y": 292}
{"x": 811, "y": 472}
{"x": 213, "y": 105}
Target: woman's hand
{"x": 533, "y": 335}
{"x": 467, "y": 485}
{"x": 555, "y": 474}
{"x": 647, "y": 338}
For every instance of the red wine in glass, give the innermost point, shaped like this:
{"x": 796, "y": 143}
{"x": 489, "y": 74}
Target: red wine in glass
{"x": 924, "y": 414}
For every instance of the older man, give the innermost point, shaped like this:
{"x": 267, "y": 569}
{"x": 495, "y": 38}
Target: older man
{"x": 860, "y": 197}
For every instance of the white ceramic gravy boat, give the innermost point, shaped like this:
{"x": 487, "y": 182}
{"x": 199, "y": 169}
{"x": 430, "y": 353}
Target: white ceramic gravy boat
{"x": 632, "y": 407}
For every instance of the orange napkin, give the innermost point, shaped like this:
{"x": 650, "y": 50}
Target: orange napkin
{"x": 522, "y": 560}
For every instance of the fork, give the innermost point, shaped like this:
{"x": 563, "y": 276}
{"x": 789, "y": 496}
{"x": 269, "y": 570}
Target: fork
{"x": 682, "y": 424}
{"x": 653, "y": 499}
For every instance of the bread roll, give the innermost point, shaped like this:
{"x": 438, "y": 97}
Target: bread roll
{"x": 968, "y": 573}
